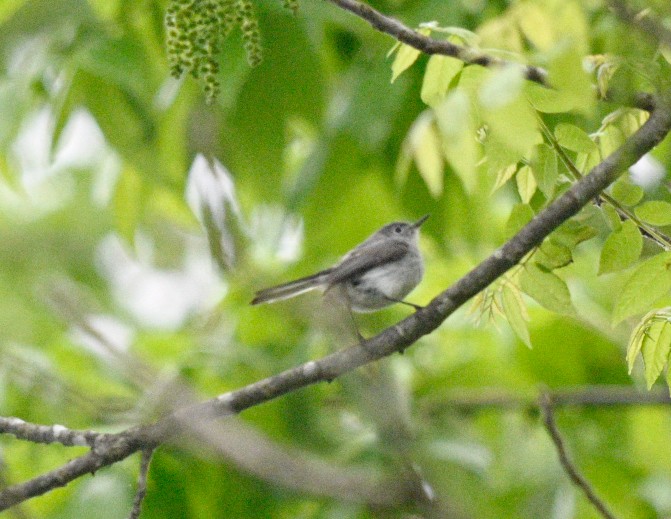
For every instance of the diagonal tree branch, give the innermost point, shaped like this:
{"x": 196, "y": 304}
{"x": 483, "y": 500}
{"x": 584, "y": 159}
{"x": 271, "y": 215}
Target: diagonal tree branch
{"x": 107, "y": 449}
{"x": 545, "y": 404}
{"x": 47, "y": 433}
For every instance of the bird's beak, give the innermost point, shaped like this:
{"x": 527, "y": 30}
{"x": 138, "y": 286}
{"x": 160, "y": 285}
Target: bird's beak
{"x": 419, "y": 222}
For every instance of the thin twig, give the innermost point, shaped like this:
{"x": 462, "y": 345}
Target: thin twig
{"x": 141, "y": 483}
{"x": 603, "y": 397}
{"x": 428, "y": 45}
{"x": 546, "y": 407}
{"x": 625, "y": 213}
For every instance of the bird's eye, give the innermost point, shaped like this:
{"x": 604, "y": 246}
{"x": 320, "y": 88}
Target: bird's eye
{"x": 398, "y": 229}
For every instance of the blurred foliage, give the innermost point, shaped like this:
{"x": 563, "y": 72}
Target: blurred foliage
{"x": 137, "y": 221}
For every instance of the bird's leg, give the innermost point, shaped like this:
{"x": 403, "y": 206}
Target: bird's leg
{"x": 356, "y": 327}
{"x": 338, "y": 297}
{"x": 416, "y": 307}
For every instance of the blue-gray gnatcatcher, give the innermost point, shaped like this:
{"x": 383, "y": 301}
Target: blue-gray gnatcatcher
{"x": 377, "y": 273}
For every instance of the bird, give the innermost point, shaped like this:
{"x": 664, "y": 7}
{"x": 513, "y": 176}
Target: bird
{"x": 377, "y": 273}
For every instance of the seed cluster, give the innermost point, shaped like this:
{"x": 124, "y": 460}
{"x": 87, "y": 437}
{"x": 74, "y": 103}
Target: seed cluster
{"x": 196, "y": 30}
{"x": 251, "y": 34}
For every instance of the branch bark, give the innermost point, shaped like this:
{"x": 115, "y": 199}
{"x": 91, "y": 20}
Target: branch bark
{"x": 108, "y": 449}
{"x": 141, "y": 484}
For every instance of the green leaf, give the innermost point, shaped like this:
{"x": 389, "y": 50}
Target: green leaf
{"x": 457, "y": 128}
{"x": 569, "y": 78}
{"x": 405, "y": 57}
{"x": 609, "y": 139}
{"x": 617, "y": 127}
{"x": 526, "y": 183}
{"x": 440, "y": 71}
{"x": 515, "y": 312}
{"x": 572, "y": 232}
{"x": 626, "y": 192}
{"x": 629, "y": 120}
{"x": 519, "y": 217}
{"x": 504, "y": 175}
{"x": 498, "y": 155}
{"x": 462, "y": 35}
{"x": 511, "y": 120}
{"x": 427, "y": 152}
{"x": 546, "y": 100}
{"x": 548, "y": 289}
{"x": 128, "y": 202}
{"x": 500, "y": 32}
{"x": 471, "y": 79}
{"x": 573, "y": 138}
{"x": 584, "y": 162}
{"x": 544, "y": 167}
{"x": 612, "y": 217}
{"x": 655, "y": 349}
{"x": 502, "y": 87}
{"x": 551, "y": 255}
{"x": 655, "y": 212}
{"x": 621, "y": 249}
{"x": 636, "y": 340}
{"x": 537, "y": 24}
{"x": 649, "y": 282}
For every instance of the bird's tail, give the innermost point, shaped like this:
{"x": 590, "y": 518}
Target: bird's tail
{"x": 291, "y": 289}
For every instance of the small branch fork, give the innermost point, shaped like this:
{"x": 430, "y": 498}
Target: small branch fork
{"x": 141, "y": 483}
{"x": 547, "y": 409}
{"x": 106, "y": 449}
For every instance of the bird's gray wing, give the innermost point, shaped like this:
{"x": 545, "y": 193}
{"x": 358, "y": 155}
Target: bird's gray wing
{"x": 367, "y": 257}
